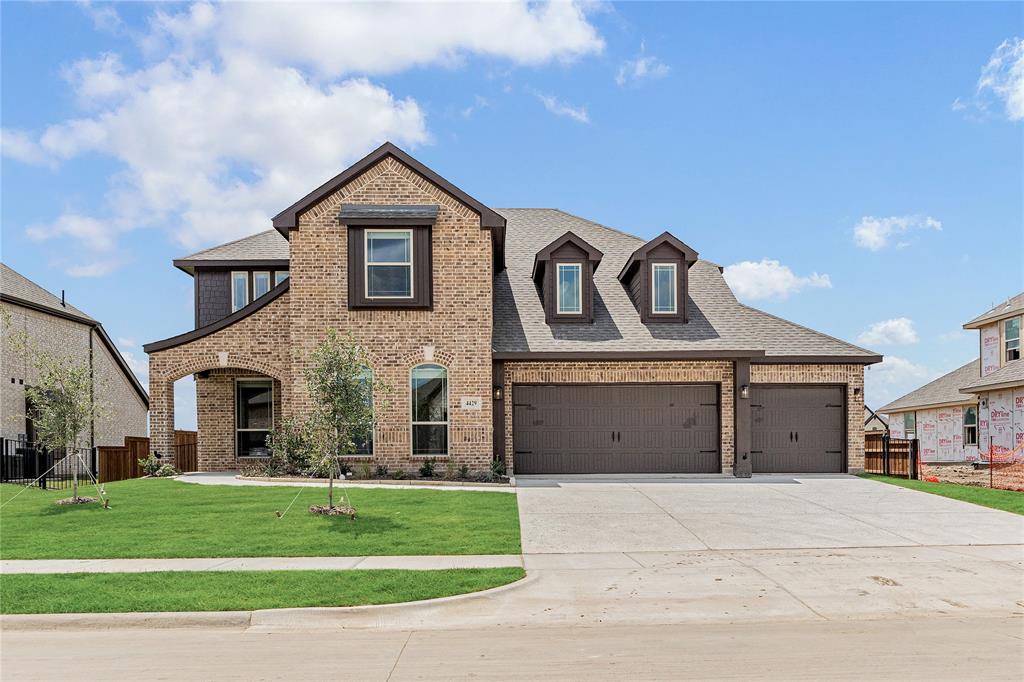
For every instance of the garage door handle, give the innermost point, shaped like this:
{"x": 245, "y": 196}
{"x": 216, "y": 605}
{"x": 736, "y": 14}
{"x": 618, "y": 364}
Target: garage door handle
{"x": 790, "y": 436}
{"x": 797, "y": 436}
{"x": 523, "y": 452}
{"x": 833, "y": 452}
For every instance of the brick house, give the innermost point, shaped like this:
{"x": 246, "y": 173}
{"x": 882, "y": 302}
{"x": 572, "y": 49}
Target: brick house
{"x": 529, "y": 335}
{"x": 976, "y": 410}
{"x": 52, "y": 324}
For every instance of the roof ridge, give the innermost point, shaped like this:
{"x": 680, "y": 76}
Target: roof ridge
{"x": 233, "y": 241}
{"x": 808, "y": 329}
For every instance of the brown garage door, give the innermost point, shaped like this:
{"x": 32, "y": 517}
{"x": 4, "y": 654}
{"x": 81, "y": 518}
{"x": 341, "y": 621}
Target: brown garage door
{"x": 615, "y": 429}
{"x": 797, "y": 429}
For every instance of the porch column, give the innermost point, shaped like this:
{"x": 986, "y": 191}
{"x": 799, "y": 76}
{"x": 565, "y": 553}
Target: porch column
{"x": 161, "y": 417}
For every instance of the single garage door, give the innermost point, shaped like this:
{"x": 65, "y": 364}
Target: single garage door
{"x": 615, "y": 429}
{"x": 797, "y": 429}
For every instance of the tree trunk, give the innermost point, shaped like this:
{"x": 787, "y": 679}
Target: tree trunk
{"x": 330, "y": 488}
{"x": 68, "y": 454}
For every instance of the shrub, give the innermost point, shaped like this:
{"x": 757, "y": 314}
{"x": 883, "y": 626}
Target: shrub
{"x": 451, "y": 472}
{"x": 165, "y": 470}
{"x": 399, "y": 474}
{"x": 427, "y": 469}
{"x": 382, "y": 471}
{"x": 149, "y": 465}
{"x": 463, "y": 471}
{"x": 364, "y": 470}
{"x": 497, "y": 469}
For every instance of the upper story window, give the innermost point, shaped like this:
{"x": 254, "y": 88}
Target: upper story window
{"x": 564, "y": 274}
{"x": 1011, "y": 338}
{"x": 260, "y": 284}
{"x": 970, "y": 425}
{"x": 655, "y": 277}
{"x": 663, "y": 288}
{"x": 570, "y": 289}
{"x": 280, "y": 276}
{"x": 239, "y": 290}
{"x": 389, "y": 269}
{"x": 390, "y": 255}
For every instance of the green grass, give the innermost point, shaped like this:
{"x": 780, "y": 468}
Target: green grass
{"x": 1006, "y": 500}
{"x": 236, "y": 591}
{"x": 155, "y": 518}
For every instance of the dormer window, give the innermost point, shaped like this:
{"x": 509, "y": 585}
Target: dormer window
{"x": 655, "y": 276}
{"x": 564, "y": 274}
{"x": 389, "y": 255}
{"x": 663, "y": 288}
{"x": 570, "y": 289}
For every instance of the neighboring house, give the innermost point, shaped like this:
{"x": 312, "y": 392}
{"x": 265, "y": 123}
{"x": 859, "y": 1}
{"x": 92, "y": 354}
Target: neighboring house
{"x": 975, "y": 409}
{"x": 873, "y": 423}
{"x": 532, "y": 336}
{"x": 53, "y": 325}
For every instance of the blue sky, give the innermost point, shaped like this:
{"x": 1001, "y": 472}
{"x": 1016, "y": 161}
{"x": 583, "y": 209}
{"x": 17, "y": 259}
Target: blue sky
{"x": 859, "y": 168}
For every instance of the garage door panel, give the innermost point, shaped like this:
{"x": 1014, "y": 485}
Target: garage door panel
{"x": 797, "y": 429}
{"x": 660, "y": 428}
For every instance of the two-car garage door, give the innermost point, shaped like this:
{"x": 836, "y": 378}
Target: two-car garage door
{"x": 616, "y": 428}
{"x": 672, "y": 428}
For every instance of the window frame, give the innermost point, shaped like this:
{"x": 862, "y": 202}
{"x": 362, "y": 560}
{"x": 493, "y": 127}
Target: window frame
{"x": 252, "y": 380}
{"x": 373, "y": 429}
{"x": 973, "y": 427}
{"x": 278, "y": 279}
{"x": 674, "y": 267}
{"x": 270, "y": 282}
{"x": 558, "y": 288}
{"x": 413, "y": 423}
{"x": 910, "y": 433}
{"x": 411, "y": 264}
{"x": 234, "y": 281}
{"x": 1007, "y": 340}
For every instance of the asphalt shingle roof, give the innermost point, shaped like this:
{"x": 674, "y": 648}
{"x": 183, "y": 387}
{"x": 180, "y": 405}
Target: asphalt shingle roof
{"x": 267, "y": 245}
{"x": 945, "y": 389}
{"x": 1007, "y": 307}
{"x": 1010, "y": 373}
{"x": 17, "y": 286}
{"x": 716, "y": 320}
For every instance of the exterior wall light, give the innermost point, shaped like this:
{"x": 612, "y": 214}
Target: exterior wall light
{"x": 745, "y": 391}
{"x": 497, "y": 393}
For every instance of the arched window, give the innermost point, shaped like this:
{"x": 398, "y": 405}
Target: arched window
{"x": 428, "y": 392}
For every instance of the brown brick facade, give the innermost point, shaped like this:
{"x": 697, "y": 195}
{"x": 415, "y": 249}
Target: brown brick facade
{"x": 850, "y": 376}
{"x": 716, "y": 371}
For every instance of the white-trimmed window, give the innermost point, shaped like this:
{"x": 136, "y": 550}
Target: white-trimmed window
{"x": 260, "y": 284}
{"x": 970, "y": 425}
{"x": 239, "y": 290}
{"x": 389, "y": 263}
{"x": 429, "y": 398}
{"x": 663, "y": 288}
{"x": 254, "y": 416}
{"x": 569, "y": 289}
{"x": 280, "y": 276}
{"x": 1011, "y": 338}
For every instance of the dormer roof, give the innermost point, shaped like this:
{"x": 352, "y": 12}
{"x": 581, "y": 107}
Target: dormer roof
{"x": 688, "y": 254}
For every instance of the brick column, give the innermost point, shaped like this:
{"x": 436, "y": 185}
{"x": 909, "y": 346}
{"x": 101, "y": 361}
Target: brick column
{"x": 161, "y": 417}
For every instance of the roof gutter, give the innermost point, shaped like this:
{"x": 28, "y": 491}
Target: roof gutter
{"x": 583, "y": 356}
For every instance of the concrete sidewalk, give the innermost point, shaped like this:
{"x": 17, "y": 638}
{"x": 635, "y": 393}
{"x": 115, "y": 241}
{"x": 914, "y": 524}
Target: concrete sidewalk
{"x": 416, "y": 563}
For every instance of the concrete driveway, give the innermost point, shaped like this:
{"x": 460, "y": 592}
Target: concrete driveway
{"x": 768, "y": 512}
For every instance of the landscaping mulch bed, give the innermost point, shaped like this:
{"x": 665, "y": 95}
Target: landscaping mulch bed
{"x": 325, "y": 510}
{"x": 81, "y": 499}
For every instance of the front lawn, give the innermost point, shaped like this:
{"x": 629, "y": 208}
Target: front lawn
{"x": 1006, "y": 500}
{"x": 159, "y": 518}
{"x": 236, "y": 590}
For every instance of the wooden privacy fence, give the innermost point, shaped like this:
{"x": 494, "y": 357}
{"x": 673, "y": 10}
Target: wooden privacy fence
{"x": 118, "y": 463}
{"x": 890, "y": 456}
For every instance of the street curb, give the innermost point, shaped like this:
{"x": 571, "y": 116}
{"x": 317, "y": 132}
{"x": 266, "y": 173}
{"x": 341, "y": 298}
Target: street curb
{"x": 369, "y": 616}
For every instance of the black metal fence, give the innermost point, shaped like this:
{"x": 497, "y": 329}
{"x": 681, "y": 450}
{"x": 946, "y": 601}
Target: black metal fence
{"x": 23, "y": 463}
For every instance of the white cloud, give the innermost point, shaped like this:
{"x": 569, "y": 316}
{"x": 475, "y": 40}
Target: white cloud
{"x": 1002, "y": 80}
{"x": 898, "y": 331}
{"x": 767, "y": 278}
{"x": 126, "y": 342}
{"x": 97, "y": 268}
{"x": 892, "y": 378}
{"x": 874, "y": 234}
{"x": 239, "y": 109}
{"x": 104, "y": 16}
{"x": 139, "y": 366}
{"x": 479, "y": 102}
{"x": 560, "y": 108}
{"x": 643, "y": 67}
